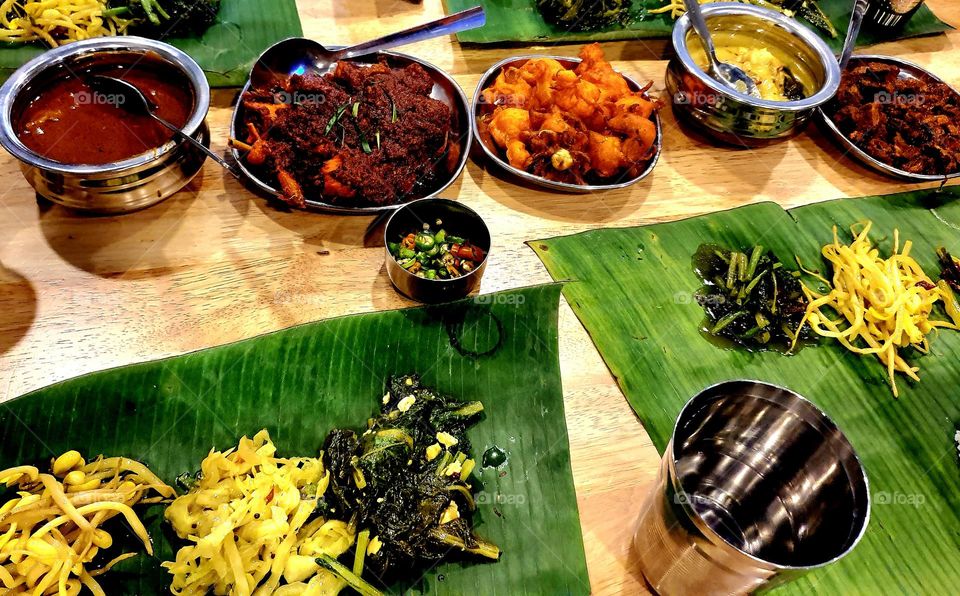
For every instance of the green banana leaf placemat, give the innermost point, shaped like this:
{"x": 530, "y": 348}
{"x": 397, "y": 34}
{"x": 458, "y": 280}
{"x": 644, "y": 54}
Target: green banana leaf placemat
{"x": 226, "y": 51}
{"x": 519, "y": 20}
{"x": 301, "y": 382}
{"x": 632, "y": 289}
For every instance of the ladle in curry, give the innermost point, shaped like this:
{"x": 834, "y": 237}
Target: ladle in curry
{"x": 128, "y": 97}
{"x": 728, "y": 74}
{"x": 298, "y": 54}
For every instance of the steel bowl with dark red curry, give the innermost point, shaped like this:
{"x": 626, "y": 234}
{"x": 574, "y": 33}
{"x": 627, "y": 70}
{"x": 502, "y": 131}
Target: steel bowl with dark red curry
{"x": 71, "y": 122}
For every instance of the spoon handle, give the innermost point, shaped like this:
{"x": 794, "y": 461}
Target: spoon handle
{"x": 700, "y": 26}
{"x": 448, "y": 25}
{"x": 853, "y": 30}
{"x": 210, "y": 153}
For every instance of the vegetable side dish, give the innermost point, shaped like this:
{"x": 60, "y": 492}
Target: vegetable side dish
{"x": 749, "y": 297}
{"x": 52, "y": 535}
{"x": 910, "y": 124}
{"x": 875, "y": 305}
{"x": 580, "y": 15}
{"x": 577, "y": 126}
{"x": 436, "y": 255}
{"x": 808, "y": 9}
{"x": 360, "y": 135}
{"x": 55, "y": 22}
{"x": 396, "y": 495}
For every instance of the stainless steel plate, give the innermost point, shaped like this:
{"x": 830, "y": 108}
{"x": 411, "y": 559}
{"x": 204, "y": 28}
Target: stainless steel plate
{"x": 445, "y": 89}
{"x": 493, "y": 153}
{"x": 908, "y": 70}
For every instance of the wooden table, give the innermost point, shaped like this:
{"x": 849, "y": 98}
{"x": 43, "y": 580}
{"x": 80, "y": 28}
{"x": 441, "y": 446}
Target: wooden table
{"x": 215, "y": 264}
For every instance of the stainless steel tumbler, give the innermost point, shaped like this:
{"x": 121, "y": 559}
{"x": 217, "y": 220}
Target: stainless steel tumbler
{"x": 756, "y": 487}
{"x": 891, "y": 13}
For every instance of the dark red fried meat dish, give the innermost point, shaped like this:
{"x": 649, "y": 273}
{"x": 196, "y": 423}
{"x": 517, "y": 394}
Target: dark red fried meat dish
{"x": 362, "y": 135}
{"x": 911, "y": 124}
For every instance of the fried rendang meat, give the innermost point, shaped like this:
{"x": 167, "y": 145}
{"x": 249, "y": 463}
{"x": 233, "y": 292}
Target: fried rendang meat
{"x": 361, "y": 135}
{"x": 911, "y": 124}
{"x": 577, "y": 126}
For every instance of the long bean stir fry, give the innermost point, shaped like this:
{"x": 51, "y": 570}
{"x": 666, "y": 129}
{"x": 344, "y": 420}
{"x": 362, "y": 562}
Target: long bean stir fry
{"x": 51, "y": 532}
{"x": 436, "y": 255}
{"x": 749, "y": 297}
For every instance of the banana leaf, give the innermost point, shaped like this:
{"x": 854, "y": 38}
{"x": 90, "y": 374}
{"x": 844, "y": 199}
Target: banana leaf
{"x": 226, "y": 51}
{"x": 632, "y": 289}
{"x": 519, "y": 20}
{"x": 299, "y": 383}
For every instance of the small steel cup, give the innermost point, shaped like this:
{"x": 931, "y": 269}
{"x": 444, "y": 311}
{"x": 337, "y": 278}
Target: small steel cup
{"x": 756, "y": 487}
{"x": 891, "y": 14}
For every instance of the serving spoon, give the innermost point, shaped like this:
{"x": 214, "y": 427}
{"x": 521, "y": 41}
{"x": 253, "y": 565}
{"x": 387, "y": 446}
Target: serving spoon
{"x": 728, "y": 74}
{"x": 299, "y": 54}
{"x": 853, "y": 30}
{"x": 129, "y": 97}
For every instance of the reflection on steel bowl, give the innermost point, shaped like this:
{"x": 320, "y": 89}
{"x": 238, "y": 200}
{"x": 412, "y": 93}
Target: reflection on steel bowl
{"x": 371, "y": 134}
{"x": 734, "y": 117}
{"x": 80, "y": 148}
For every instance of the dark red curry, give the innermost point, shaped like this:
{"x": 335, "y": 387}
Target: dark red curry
{"x": 67, "y": 121}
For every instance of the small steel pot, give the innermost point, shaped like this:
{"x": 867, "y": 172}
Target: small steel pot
{"x": 120, "y": 186}
{"x": 736, "y": 118}
{"x": 459, "y": 220}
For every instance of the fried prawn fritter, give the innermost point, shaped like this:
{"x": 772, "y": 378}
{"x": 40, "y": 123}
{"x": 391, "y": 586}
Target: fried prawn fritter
{"x": 578, "y": 125}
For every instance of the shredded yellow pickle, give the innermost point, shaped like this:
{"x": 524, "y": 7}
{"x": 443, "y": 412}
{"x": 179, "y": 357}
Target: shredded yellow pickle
{"x": 885, "y": 304}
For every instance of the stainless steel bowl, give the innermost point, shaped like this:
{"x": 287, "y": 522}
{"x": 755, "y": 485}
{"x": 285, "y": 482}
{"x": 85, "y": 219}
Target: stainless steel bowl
{"x": 445, "y": 89}
{"x": 493, "y": 153}
{"x": 737, "y": 118}
{"x": 120, "y": 186}
{"x": 908, "y": 70}
{"x": 458, "y": 219}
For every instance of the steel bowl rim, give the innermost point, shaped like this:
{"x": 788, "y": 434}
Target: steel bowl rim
{"x": 439, "y": 200}
{"x": 870, "y": 160}
{"x": 827, "y": 59}
{"x": 539, "y": 180}
{"x": 133, "y": 45}
{"x": 670, "y": 457}
{"x": 365, "y": 210}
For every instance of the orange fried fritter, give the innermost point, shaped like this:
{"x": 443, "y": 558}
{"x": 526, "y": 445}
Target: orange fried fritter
{"x": 544, "y": 115}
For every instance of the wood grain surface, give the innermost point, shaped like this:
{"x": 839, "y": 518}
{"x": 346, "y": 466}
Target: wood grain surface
{"x": 215, "y": 264}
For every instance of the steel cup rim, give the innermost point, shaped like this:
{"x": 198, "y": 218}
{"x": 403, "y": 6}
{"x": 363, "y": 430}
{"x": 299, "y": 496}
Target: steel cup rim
{"x": 670, "y": 456}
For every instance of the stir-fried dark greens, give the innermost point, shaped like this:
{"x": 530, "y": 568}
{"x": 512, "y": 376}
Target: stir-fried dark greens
{"x": 748, "y": 297}
{"x": 583, "y": 15}
{"x": 949, "y": 269}
{"x": 402, "y": 483}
